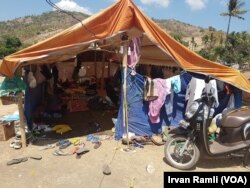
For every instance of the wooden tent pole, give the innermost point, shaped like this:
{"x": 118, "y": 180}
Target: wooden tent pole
{"x": 95, "y": 69}
{"x": 124, "y": 65}
{"x": 21, "y": 115}
{"x": 103, "y": 69}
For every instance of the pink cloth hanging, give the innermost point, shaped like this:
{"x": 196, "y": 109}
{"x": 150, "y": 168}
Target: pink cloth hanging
{"x": 155, "y": 106}
{"x": 135, "y": 48}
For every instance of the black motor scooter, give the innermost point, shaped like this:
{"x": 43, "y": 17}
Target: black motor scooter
{"x": 190, "y": 139}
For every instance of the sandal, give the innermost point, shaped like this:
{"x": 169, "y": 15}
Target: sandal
{"x": 12, "y": 144}
{"x": 18, "y": 145}
{"x": 64, "y": 145}
{"x": 157, "y": 140}
{"x": 80, "y": 152}
{"x": 16, "y": 161}
{"x": 97, "y": 145}
{"x": 60, "y": 153}
{"x": 75, "y": 141}
{"x": 36, "y": 157}
{"x": 49, "y": 146}
{"x": 61, "y": 142}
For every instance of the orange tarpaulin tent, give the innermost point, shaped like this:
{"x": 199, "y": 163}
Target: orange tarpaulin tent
{"x": 106, "y": 27}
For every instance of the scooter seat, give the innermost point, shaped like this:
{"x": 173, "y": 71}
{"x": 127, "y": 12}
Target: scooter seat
{"x": 236, "y": 118}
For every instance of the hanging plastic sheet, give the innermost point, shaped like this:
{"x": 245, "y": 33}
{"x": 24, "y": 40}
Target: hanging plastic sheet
{"x": 15, "y": 84}
{"x": 138, "y": 120}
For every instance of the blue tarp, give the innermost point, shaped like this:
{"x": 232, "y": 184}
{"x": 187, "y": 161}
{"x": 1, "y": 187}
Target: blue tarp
{"x": 12, "y": 117}
{"x": 138, "y": 120}
{"x": 33, "y": 98}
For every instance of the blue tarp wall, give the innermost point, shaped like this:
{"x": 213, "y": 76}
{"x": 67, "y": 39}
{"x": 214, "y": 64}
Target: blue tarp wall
{"x": 138, "y": 120}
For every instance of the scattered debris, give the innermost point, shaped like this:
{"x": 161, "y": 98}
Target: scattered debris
{"x": 150, "y": 168}
{"x": 106, "y": 169}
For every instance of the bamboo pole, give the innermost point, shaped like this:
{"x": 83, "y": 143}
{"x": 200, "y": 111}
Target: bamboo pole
{"x": 124, "y": 65}
{"x": 103, "y": 69}
{"x": 21, "y": 115}
{"x": 95, "y": 64}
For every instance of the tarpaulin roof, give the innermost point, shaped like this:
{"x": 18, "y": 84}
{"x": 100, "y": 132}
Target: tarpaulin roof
{"x": 120, "y": 17}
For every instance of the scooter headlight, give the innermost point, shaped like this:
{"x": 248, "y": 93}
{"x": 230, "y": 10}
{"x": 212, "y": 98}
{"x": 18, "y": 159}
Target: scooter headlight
{"x": 192, "y": 110}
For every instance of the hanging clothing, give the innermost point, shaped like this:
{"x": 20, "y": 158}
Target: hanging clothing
{"x": 150, "y": 90}
{"x": 65, "y": 71}
{"x": 179, "y": 103}
{"x": 194, "y": 90}
{"x": 175, "y": 84}
{"x": 237, "y": 98}
{"x": 155, "y": 105}
{"x": 40, "y": 78}
{"x": 197, "y": 86}
{"x": 32, "y": 99}
{"x": 169, "y": 103}
{"x": 211, "y": 87}
{"x": 46, "y": 71}
{"x": 221, "y": 89}
{"x": 134, "y": 52}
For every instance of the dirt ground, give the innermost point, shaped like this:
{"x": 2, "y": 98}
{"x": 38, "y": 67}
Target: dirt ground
{"x": 127, "y": 169}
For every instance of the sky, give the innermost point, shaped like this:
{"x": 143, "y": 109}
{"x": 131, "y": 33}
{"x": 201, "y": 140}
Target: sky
{"x": 202, "y": 13}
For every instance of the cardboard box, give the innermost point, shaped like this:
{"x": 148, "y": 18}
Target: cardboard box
{"x": 7, "y": 130}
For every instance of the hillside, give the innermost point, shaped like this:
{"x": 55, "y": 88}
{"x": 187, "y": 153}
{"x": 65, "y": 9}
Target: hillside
{"x": 31, "y": 29}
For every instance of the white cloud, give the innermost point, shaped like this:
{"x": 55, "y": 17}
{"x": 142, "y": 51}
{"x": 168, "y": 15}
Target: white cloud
{"x": 196, "y": 4}
{"x": 163, "y": 3}
{"x": 70, "y": 5}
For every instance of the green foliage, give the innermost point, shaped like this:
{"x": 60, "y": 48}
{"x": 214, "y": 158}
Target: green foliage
{"x": 178, "y": 38}
{"x": 237, "y": 50}
{"x": 13, "y": 42}
{"x": 234, "y": 10}
{"x": 209, "y": 40}
{"x": 9, "y": 45}
{"x": 32, "y": 29}
{"x": 210, "y": 28}
{"x": 28, "y": 28}
{"x": 205, "y": 53}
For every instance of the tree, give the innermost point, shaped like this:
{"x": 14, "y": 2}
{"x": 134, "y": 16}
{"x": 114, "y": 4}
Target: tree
{"x": 205, "y": 40}
{"x": 212, "y": 40}
{"x": 234, "y": 10}
{"x": 237, "y": 50}
{"x": 178, "y": 38}
{"x": 221, "y": 39}
{"x": 13, "y": 42}
{"x": 193, "y": 44}
{"x": 9, "y": 45}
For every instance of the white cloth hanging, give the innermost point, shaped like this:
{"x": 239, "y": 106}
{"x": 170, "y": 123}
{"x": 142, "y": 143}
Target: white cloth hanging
{"x": 31, "y": 80}
{"x": 194, "y": 90}
{"x": 211, "y": 87}
{"x": 40, "y": 78}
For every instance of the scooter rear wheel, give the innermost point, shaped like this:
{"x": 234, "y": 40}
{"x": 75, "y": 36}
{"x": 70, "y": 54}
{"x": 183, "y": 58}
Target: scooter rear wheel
{"x": 173, "y": 148}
